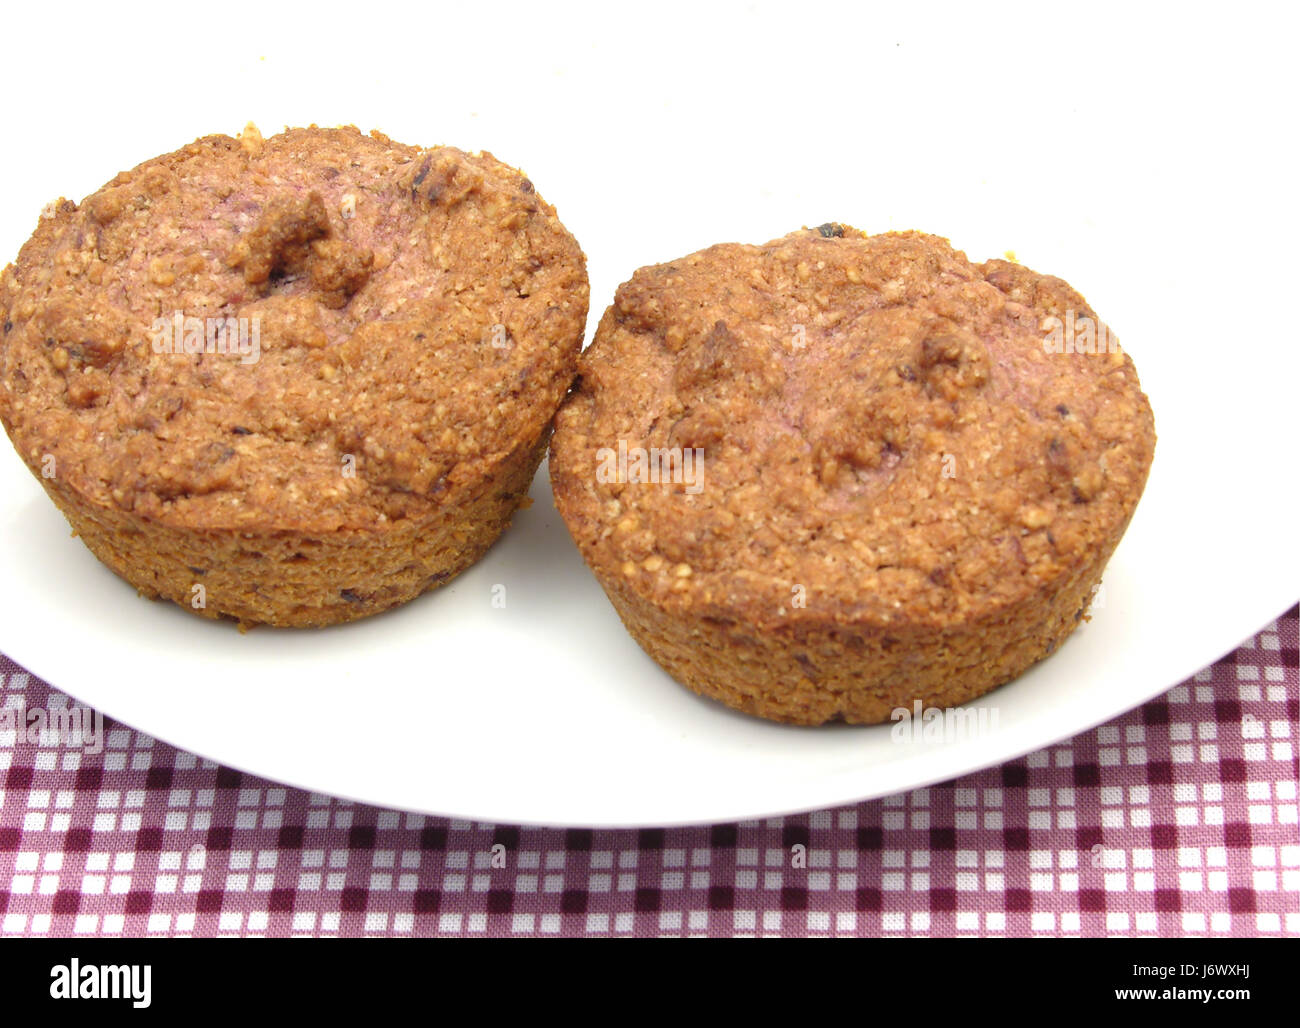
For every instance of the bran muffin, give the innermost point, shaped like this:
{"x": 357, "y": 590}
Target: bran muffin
{"x": 295, "y": 380}
{"x": 837, "y": 474}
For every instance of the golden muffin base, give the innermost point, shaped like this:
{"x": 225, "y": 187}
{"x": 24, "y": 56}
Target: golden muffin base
{"x": 269, "y": 577}
{"x": 810, "y": 674}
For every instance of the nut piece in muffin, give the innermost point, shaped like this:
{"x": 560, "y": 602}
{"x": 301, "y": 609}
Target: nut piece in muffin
{"x": 831, "y": 476}
{"x": 295, "y": 380}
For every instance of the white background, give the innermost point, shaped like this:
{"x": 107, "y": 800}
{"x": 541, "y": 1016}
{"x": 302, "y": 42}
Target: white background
{"x": 1144, "y": 153}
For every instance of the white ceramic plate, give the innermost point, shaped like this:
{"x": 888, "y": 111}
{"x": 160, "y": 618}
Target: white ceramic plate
{"x": 1154, "y": 186}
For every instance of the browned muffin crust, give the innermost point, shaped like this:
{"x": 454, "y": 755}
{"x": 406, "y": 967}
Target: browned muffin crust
{"x": 901, "y": 494}
{"x": 418, "y": 315}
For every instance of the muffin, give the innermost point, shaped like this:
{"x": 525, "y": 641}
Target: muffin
{"x": 294, "y": 380}
{"x": 836, "y": 475}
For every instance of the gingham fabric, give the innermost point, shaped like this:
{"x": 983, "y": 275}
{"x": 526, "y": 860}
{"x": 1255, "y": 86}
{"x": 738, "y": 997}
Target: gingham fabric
{"x": 1176, "y": 819}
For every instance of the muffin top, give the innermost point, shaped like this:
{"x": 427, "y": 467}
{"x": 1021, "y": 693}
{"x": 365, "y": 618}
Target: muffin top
{"x": 847, "y": 428}
{"x": 316, "y": 331}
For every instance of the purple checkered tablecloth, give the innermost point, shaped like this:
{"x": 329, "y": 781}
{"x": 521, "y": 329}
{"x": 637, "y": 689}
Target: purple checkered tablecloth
{"x": 1178, "y": 818}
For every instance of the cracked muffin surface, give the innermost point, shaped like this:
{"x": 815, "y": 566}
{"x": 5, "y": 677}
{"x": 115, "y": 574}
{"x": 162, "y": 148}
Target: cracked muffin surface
{"x": 894, "y": 472}
{"x": 399, "y": 324}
